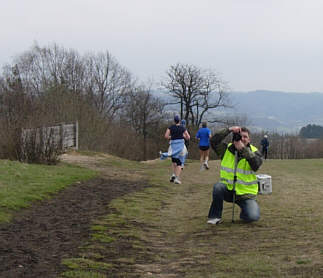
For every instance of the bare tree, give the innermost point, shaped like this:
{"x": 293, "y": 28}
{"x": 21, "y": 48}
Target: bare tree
{"x": 16, "y": 105}
{"x": 197, "y": 91}
{"x": 108, "y": 83}
{"x": 44, "y": 67}
{"x": 231, "y": 119}
{"x": 144, "y": 113}
{"x": 98, "y": 76}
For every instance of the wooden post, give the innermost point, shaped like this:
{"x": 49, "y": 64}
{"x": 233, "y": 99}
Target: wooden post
{"x": 76, "y": 135}
{"x": 61, "y": 135}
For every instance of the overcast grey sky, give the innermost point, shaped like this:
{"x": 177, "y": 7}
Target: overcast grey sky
{"x": 254, "y": 44}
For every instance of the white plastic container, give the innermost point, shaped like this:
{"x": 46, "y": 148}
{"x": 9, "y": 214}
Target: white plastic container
{"x": 264, "y": 184}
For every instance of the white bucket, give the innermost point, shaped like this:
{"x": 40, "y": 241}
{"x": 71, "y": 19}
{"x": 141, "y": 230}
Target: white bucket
{"x": 264, "y": 184}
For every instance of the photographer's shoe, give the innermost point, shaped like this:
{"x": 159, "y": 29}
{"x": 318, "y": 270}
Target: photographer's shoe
{"x": 214, "y": 221}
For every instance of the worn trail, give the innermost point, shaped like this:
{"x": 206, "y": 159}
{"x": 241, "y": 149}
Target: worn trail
{"x": 38, "y": 238}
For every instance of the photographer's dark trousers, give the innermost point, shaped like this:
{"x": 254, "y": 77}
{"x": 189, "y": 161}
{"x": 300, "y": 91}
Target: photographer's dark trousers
{"x": 250, "y": 210}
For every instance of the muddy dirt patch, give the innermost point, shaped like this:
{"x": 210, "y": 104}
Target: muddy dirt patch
{"x": 38, "y": 238}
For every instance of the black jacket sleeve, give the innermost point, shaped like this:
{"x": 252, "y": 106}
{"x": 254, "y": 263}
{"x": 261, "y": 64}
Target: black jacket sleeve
{"x": 216, "y": 142}
{"x": 254, "y": 158}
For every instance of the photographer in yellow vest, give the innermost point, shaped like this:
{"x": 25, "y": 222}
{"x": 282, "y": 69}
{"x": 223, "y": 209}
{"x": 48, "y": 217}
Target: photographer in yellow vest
{"x": 239, "y": 162}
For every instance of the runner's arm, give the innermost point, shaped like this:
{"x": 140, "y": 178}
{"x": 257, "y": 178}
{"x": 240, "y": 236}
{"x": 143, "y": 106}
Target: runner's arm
{"x": 167, "y": 134}
{"x": 186, "y": 135}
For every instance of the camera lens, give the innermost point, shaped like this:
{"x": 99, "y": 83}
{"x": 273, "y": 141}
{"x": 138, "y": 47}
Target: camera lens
{"x": 236, "y": 136}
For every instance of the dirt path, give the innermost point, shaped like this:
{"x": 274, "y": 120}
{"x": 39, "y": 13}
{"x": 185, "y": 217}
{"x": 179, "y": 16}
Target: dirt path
{"x": 36, "y": 241}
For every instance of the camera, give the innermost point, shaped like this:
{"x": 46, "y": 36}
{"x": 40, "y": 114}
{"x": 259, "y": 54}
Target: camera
{"x": 236, "y": 136}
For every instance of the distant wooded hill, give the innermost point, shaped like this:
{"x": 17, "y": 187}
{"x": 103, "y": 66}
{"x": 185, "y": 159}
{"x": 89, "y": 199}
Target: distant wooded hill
{"x": 279, "y": 111}
{"x": 311, "y": 131}
{"x": 283, "y": 112}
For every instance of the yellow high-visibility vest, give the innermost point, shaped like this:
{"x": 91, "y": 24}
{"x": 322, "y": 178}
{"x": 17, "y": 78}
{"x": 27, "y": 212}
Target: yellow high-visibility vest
{"x": 246, "y": 178}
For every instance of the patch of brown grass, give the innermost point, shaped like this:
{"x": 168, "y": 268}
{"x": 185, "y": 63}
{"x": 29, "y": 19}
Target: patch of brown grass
{"x": 166, "y": 224}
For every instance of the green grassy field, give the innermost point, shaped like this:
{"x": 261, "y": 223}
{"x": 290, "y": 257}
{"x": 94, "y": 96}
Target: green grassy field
{"x": 21, "y": 183}
{"x": 162, "y": 230}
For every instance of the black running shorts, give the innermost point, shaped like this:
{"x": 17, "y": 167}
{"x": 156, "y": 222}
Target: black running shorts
{"x": 177, "y": 161}
{"x": 204, "y": 148}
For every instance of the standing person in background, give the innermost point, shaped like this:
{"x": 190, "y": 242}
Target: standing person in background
{"x": 176, "y": 133}
{"x": 204, "y": 135}
{"x": 264, "y": 144}
{"x": 187, "y": 142}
